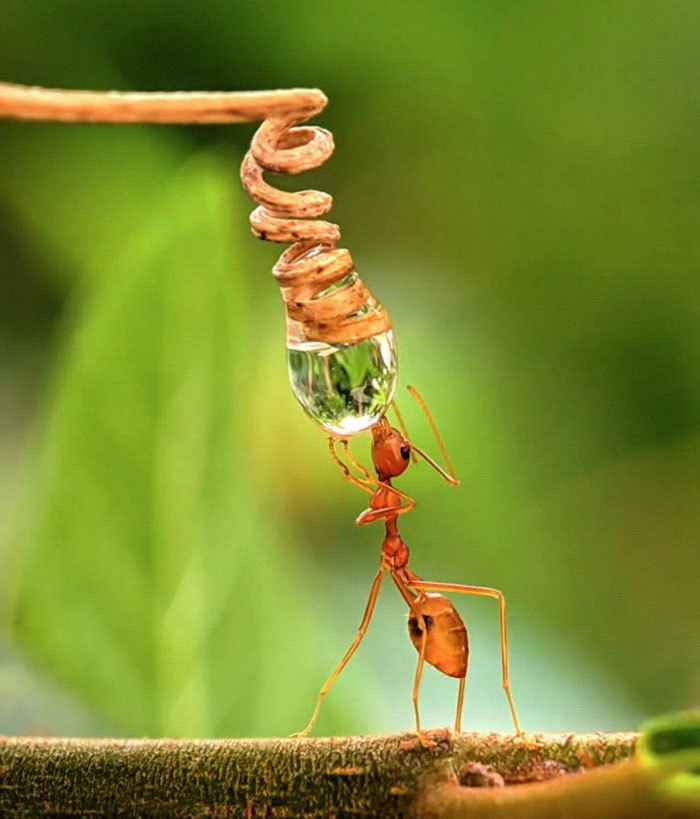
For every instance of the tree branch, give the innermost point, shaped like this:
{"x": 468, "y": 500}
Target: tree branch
{"x": 367, "y": 776}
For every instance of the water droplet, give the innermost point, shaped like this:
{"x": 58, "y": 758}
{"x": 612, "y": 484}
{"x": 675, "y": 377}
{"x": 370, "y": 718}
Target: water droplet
{"x": 346, "y": 388}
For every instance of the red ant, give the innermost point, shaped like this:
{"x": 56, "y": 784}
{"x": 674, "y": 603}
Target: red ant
{"x": 435, "y": 627}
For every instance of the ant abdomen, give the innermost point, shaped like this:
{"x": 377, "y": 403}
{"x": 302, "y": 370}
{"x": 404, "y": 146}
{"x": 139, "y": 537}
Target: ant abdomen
{"x": 447, "y": 644}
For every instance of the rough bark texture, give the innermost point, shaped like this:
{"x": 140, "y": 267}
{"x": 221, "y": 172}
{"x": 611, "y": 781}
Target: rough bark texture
{"x": 387, "y": 776}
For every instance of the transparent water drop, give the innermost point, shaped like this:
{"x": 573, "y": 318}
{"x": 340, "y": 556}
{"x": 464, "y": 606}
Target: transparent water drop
{"x": 346, "y": 388}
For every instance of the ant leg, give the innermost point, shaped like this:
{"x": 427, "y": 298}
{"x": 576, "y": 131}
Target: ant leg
{"x": 460, "y": 702}
{"x": 346, "y": 472}
{"x": 374, "y": 591}
{"x": 360, "y": 467}
{"x": 369, "y": 478}
{"x": 409, "y": 596}
{"x": 370, "y": 515}
{"x": 424, "y": 741}
{"x": 483, "y": 591}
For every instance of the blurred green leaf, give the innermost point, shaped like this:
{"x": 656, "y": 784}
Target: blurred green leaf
{"x": 152, "y": 584}
{"x": 670, "y": 745}
{"x": 80, "y": 190}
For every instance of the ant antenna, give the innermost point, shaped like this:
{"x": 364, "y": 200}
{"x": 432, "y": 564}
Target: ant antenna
{"x": 450, "y": 475}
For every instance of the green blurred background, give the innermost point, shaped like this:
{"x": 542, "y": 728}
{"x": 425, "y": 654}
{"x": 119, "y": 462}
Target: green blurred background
{"x": 518, "y": 183}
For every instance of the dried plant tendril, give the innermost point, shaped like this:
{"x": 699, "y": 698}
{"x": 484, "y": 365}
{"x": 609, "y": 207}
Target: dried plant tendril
{"x": 341, "y": 351}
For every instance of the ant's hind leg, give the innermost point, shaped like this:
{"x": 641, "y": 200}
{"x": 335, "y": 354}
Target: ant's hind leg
{"x": 374, "y": 591}
{"x": 460, "y": 703}
{"x": 424, "y": 740}
{"x": 482, "y": 591}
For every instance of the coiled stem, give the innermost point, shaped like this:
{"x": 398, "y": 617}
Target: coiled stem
{"x": 324, "y": 297}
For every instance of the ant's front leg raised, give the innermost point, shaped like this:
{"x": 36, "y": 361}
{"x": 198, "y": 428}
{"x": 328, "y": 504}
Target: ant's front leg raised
{"x": 381, "y": 512}
{"x": 362, "y": 483}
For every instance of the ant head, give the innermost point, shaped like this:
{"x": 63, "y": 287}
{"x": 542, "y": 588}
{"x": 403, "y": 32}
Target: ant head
{"x": 391, "y": 452}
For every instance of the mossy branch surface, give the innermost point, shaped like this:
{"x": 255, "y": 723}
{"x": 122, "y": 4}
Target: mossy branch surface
{"x": 386, "y": 776}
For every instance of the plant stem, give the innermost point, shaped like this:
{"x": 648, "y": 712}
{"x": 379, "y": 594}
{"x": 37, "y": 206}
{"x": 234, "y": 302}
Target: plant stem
{"x": 386, "y": 776}
{"x": 628, "y": 790}
{"x": 158, "y": 107}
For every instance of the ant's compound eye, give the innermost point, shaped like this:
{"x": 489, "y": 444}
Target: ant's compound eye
{"x": 405, "y": 452}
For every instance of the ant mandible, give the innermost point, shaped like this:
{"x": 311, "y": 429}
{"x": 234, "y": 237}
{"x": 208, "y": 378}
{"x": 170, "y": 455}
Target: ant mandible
{"x": 435, "y": 628}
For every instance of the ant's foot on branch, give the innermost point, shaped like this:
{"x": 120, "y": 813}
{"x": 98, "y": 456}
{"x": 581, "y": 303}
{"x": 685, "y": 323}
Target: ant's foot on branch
{"x": 426, "y": 741}
{"x": 530, "y": 744}
{"x": 439, "y": 738}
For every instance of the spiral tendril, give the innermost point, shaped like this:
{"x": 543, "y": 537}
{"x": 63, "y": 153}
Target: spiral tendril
{"x": 325, "y": 299}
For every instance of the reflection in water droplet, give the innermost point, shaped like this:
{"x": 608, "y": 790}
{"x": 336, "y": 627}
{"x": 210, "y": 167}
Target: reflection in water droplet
{"x": 346, "y": 388}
